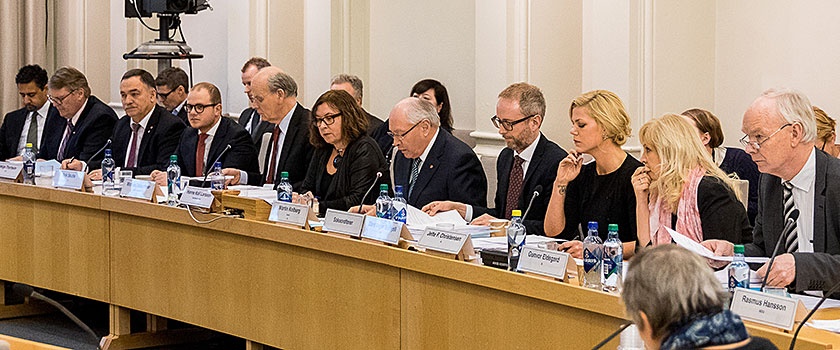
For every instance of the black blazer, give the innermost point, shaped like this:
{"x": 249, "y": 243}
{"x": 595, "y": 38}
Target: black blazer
{"x": 451, "y": 171}
{"x": 92, "y": 130}
{"x": 13, "y": 127}
{"x": 541, "y": 171}
{"x": 814, "y": 271}
{"x": 160, "y": 138}
{"x": 246, "y": 117}
{"x": 183, "y": 116}
{"x": 354, "y": 176}
{"x": 380, "y": 135}
{"x": 373, "y": 124}
{"x": 296, "y": 152}
{"x": 242, "y": 155}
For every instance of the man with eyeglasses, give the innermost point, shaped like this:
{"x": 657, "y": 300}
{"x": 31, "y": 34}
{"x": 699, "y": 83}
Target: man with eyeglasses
{"x": 208, "y": 136}
{"x": 88, "y": 122}
{"x": 528, "y": 161}
{"x": 27, "y": 125}
{"x": 172, "y": 85}
{"x": 780, "y": 133}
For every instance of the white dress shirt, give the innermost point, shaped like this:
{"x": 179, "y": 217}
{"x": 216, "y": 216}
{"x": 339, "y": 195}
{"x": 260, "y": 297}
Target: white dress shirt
{"x": 803, "y": 199}
{"x": 42, "y": 119}
{"x": 140, "y": 132}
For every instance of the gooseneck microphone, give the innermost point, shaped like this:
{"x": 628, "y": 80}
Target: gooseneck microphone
{"x": 536, "y": 193}
{"x": 27, "y": 291}
{"x": 816, "y": 307}
{"x": 613, "y": 335}
{"x": 107, "y": 143}
{"x": 791, "y": 222}
{"x": 375, "y": 181}
{"x": 207, "y": 169}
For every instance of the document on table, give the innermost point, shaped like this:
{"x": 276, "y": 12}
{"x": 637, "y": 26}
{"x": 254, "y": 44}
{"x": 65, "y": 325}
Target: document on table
{"x": 693, "y": 246}
{"x": 829, "y": 325}
{"x": 501, "y": 242}
{"x": 418, "y": 218}
{"x": 811, "y": 301}
{"x": 267, "y": 194}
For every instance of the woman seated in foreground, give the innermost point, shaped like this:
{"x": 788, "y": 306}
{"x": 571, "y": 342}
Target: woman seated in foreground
{"x": 681, "y": 188}
{"x": 687, "y": 312}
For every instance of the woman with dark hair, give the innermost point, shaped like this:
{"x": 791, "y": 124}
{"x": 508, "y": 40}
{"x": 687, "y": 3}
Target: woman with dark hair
{"x": 346, "y": 160}
{"x": 433, "y": 91}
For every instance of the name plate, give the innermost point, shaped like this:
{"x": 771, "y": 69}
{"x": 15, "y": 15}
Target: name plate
{"x": 69, "y": 179}
{"x": 544, "y": 262}
{"x": 343, "y": 222}
{"x": 47, "y": 167}
{"x": 198, "y": 197}
{"x": 289, "y": 213}
{"x": 10, "y": 171}
{"x": 759, "y": 307}
{"x": 140, "y": 189}
{"x": 382, "y": 230}
{"x": 442, "y": 241}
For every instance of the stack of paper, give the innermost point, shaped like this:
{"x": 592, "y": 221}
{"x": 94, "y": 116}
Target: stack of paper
{"x": 418, "y": 218}
{"x": 693, "y": 246}
{"x": 501, "y": 242}
{"x": 267, "y": 194}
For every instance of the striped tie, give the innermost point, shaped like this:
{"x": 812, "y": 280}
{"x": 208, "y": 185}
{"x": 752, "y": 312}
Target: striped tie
{"x": 792, "y": 241}
{"x": 415, "y": 171}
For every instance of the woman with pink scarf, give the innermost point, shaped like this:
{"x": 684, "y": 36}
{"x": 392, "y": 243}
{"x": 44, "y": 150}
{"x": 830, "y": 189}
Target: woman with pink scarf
{"x": 681, "y": 188}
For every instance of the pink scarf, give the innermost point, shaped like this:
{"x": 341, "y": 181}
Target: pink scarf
{"x": 688, "y": 216}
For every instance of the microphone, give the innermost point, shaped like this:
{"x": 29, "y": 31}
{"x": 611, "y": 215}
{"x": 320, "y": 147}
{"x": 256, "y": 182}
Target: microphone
{"x": 611, "y": 336}
{"x": 27, "y": 291}
{"x": 362, "y": 202}
{"x": 531, "y": 202}
{"x": 107, "y": 143}
{"x": 783, "y": 237}
{"x": 207, "y": 169}
{"x": 816, "y": 307}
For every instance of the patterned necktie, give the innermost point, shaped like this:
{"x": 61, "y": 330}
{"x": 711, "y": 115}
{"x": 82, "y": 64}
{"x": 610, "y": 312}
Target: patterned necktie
{"x": 132, "y": 153}
{"x": 792, "y": 241}
{"x": 199, "y": 154}
{"x": 514, "y": 186}
{"x": 415, "y": 171}
{"x": 272, "y": 167}
{"x": 67, "y": 132}
{"x": 32, "y": 136}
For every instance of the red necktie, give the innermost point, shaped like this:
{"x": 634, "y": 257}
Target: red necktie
{"x": 199, "y": 155}
{"x": 514, "y": 186}
{"x": 273, "y": 165}
{"x": 132, "y": 153}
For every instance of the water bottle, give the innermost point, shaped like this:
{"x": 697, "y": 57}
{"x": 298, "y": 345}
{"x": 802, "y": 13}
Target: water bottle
{"x": 173, "y": 180}
{"x": 284, "y": 188}
{"x": 739, "y": 271}
{"x": 383, "y": 203}
{"x": 593, "y": 250}
{"x": 28, "y": 165}
{"x": 109, "y": 188}
{"x": 217, "y": 179}
{"x": 398, "y": 204}
{"x": 613, "y": 259}
{"x": 515, "y": 239}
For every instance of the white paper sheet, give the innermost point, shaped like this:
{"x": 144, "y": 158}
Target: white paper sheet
{"x": 417, "y": 218}
{"x": 693, "y": 246}
{"x": 829, "y": 325}
{"x": 501, "y": 242}
{"x": 811, "y": 301}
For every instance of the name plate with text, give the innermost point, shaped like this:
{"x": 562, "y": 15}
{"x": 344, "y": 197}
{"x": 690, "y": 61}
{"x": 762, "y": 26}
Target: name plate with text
{"x": 9, "y": 170}
{"x": 197, "y": 197}
{"x": 47, "y": 167}
{"x": 140, "y": 189}
{"x": 759, "y": 307}
{"x": 343, "y": 222}
{"x": 69, "y": 179}
{"x": 289, "y": 213}
{"x": 382, "y": 230}
{"x": 544, "y": 262}
{"x": 442, "y": 241}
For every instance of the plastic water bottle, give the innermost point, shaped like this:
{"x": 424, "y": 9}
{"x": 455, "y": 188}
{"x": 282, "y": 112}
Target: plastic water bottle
{"x": 515, "y": 239}
{"x": 593, "y": 250}
{"x": 613, "y": 259}
{"x": 28, "y": 165}
{"x": 217, "y": 179}
{"x": 398, "y": 204}
{"x": 383, "y": 203}
{"x": 109, "y": 188}
{"x": 739, "y": 271}
{"x": 284, "y": 188}
{"x": 173, "y": 180}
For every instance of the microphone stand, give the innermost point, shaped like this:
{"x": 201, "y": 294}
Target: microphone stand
{"x": 531, "y": 202}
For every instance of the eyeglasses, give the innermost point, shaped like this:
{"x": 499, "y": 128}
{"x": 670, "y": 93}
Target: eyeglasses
{"x": 164, "y": 95}
{"x": 60, "y": 100}
{"x": 198, "y": 108}
{"x": 400, "y": 136}
{"x": 327, "y": 119}
{"x": 756, "y": 145}
{"x": 509, "y": 125}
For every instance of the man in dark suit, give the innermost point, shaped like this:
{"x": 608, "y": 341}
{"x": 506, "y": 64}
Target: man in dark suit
{"x": 249, "y": 118}
{"x": 275, "y": 95}
{"x": 172, "y": 85}
{"x": 209, "y": 136}
{"x": 88, "y": 122}
{"x": 353, "y": 85}
{"x": 795, "y": 176}
{"x": 528, "y": 161}
{"x": 27, "y": 125}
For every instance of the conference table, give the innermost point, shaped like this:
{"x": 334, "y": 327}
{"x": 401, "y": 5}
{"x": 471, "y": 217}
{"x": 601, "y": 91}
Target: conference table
{"x": 292, "y": 288}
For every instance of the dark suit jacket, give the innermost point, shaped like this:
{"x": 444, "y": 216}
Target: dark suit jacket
{"x": 246, "y": 117}
{"x": 385, "y": 142}
{"x": 160, "y": 139}
{"x": 242, "y": 155}
{"x": 451, "y": 171}
{"x": 541, "y": 171}
{"x": 13, "y": 127}
{"x": 296, "y": 152}
{"x": 355, "y": 174}
{"x": 92, "y": 130}
{"x": 183, "y": 116}
{"x": 814, "y": 271}
{"x": 373, "y": 124}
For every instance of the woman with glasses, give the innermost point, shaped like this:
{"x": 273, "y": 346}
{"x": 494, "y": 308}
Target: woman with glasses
{"x": 598, "y": 191}
{"x": 346, "y": 160}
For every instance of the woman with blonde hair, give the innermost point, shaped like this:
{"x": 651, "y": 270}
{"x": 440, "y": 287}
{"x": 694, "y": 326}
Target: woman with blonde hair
{"x": 826, "y": 137}
{"x": 681, "y": 188}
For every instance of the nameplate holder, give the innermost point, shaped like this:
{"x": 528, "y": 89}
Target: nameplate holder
{"x": 47, "y": 167}
{"x": 197, "y": 197}
{"x": 772, "y": 310}
{"x": 447, "y": 244}
{"x": 549, "y": 263}
{"x": 138, "y": 189}
{"x": 288, "y": 213}
{"x": 343, "y": 222}
{"x": 11, "y": 171}
{"x": 69, "y": 179}
{"x": 382, "y": 230}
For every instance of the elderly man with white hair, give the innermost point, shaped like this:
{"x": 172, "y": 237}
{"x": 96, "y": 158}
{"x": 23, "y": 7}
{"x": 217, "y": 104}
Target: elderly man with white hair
{"x": 780, "y": 131}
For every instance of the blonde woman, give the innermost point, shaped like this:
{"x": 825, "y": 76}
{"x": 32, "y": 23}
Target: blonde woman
{"x": 681, "y": 188}
{"x": 598, "y": 191}
{"x": 826, "y": 138}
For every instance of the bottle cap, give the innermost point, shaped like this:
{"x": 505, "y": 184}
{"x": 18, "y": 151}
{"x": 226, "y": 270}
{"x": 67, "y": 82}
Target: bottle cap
{"x": 217, "y": 165}
{"x": 739, "y": 249}
{"x": 613, "y": 228}
{"x": 383, "y": 187}
{"x": 29, "y": 145}
{"x": 593, "y": 225}
{"x": 284, "y": 174}
{"x": 516, "y": 213}
{"x": 108, "y": 152}
{"x": 173, "y": 157}
{"x": 398, "y": 188}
